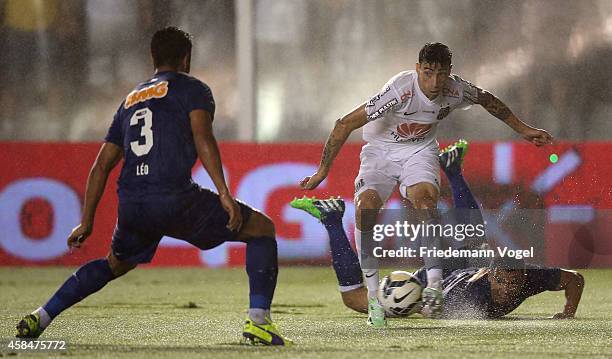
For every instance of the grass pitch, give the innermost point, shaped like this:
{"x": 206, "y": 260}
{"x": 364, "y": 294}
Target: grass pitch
{"x": 199, "y": 313}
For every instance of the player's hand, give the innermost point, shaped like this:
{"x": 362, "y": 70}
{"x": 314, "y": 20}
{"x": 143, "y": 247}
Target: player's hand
{"x": 79, "y": 235}
{"x": 537, "y": 136}
{"x": 311, "y": 182}
{"x": 562, "y": 315}
{"x": 231, "y": 207}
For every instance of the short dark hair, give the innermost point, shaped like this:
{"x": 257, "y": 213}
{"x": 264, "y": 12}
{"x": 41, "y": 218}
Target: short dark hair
{"x": 169, "y": 46}
{"x": 435, "y": 53}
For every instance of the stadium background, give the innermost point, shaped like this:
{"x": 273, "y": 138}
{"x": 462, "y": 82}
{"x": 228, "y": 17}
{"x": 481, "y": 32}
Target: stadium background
{"x": 282, "y": 72}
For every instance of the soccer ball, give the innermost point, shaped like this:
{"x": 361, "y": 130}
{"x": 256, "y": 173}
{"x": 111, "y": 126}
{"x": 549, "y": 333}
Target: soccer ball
{"x": 399, "y": 294}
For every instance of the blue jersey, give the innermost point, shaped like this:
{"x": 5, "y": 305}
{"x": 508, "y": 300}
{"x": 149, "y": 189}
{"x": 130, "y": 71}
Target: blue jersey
{"x": 466, "y": 298}
{"x": 152, "y": 126}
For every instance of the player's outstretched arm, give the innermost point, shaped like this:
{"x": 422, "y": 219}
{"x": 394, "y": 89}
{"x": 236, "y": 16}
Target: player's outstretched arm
{"x": 108, "y": 157}
{"x": 209, "y": 155}
{"x": 573, "y": 284}
{"x": 342, "y": 129}
{"x": 498, "y": 109}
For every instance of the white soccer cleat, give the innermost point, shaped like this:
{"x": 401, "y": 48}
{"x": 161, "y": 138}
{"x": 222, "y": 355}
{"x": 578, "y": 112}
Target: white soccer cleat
{"x": 432, "y": 302}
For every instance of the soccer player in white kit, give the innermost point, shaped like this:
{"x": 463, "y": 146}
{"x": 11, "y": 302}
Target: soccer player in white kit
{"x": 399, "y": 125}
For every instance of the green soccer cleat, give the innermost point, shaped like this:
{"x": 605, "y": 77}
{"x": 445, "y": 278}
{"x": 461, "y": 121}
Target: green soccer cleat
{"x": 263, "y": 334}
{"x": 306, "y": 204}
{"x": 432, "y": 302}
{"x": 321, "y": 209}
{"x": 376, "y": 314}
{"x": 29, "y": 327}
{"x": 451, "y": 157}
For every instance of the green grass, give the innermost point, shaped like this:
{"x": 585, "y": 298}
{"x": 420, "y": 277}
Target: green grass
{"x": 198, "y": 312}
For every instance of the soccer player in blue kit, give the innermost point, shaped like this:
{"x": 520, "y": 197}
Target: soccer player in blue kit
{"x": 469, "y": 293}
{"x": 161, "y": 128}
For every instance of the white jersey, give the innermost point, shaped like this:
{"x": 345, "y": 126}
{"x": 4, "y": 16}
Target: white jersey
{"x": 404, "y": 121}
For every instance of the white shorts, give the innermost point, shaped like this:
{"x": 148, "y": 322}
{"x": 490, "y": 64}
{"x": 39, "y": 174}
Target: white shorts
{"x": 378, "y": 172}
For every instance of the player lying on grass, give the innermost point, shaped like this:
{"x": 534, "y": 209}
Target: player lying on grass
{"x": 468, "y": 293}
{"x": 160, "y": 129}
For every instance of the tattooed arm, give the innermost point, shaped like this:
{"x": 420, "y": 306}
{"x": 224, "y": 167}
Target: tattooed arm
{"x": 498, "y": 109}
{"x": 342, "y": 129}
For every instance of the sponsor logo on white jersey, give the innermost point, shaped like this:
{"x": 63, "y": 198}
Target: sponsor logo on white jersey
{"x": 412, "y": 131}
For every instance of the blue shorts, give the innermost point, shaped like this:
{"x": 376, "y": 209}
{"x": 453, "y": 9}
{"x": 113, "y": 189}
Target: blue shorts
{"x": 195, "y": 216}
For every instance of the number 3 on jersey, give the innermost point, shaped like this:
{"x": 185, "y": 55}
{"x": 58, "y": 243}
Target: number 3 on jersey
{"x": 146, "y": 131}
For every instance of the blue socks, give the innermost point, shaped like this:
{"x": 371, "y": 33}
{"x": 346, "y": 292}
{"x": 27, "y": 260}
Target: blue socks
{"x": 344, "y": 259}
{"x": 462, "y": 196}
{"x": 262, "y": 268}
{"x": 468, "y": 212}
{"x": 88, "y": 279}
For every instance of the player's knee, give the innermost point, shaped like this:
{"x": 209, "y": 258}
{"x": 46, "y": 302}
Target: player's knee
{"x": 423, "y": 195}
{"x": 368, "y": 200}
{"x": 118, "y": 267}
{"x": 425, "y": 200}
{"x": 367, "y": 205}
{"x": 427, "y": 208}
{"x": 265, "y": 226}
{"x": 268, "y": 226}
{"x": 258, "y": 225}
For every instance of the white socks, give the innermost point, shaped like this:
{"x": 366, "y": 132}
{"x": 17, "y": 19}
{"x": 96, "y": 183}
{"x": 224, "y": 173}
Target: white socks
{"x": 371, "y": 275}
{"x": 434, "y": 278}
{"x": 45, "y": 319}
{"x": 259, "y": 315}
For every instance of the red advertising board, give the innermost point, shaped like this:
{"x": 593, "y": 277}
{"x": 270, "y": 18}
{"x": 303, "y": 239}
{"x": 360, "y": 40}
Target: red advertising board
{"x": 42, "y": 187}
